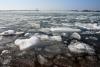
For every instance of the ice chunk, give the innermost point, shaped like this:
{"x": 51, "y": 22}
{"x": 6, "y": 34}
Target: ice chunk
{"x": 26, "y": 43}
{"x": 8, "y": 32}
{"x": 44, "y": 37}
{"x": 55, "y": 38}
{"x": 64, "y": 29}
{"x": 76, "y": 36}
{"x": 81, "y": 48}
{"x": 11, "y": 32}
{"x": 19, "y": 33}
{"x": 27, "y": 34}
{"x": 90, "y": 26}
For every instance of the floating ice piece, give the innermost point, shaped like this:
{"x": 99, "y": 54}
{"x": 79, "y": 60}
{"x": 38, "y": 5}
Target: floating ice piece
{"x": 45, "y": 30}
{"x": 76, "y": 36}
{"x": 2, "y": 27}
{"x": 27, "y": 34}
{"x": 90, "y": 26}
{"x": 64, "y": 29}
{"x": 35, "y": 25}
{"x": 26, "y": 43}
{"x": 81, "y": 48}
{"x": 44, "y": 37}
{"x": 49, "y": 38}
{"x": 19, "y": 33}
{"x": 8, "y": 32}
{"x": 55, "y": 38}
{"x": 11, "y": 32}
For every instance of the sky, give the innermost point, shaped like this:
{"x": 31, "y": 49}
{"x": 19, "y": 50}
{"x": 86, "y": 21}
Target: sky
{"x": 49, "y": 4}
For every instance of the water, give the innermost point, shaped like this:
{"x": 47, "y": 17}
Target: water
{"x": 56, "y": 54}
{"x": 23, "y": 19}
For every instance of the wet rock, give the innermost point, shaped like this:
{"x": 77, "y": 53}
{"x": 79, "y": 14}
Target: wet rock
{"x": 5, "y": 60}
{"x": 61, "y": 61}
{"x": 43, "y": 61}
{"x": 68, "y": 54}
{"x": 98, "y": 55}
{"x": 22, "y": 63}
{"x": 22, "y": 53}
{"x": 80, "y": 58}
{"x": 5, "y": 52}
{"x": 91, "y": 58}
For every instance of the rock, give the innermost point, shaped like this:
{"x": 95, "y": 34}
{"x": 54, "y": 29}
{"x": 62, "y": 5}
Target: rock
{"x": 79, "y": 47}
{"x": 26, "y": 43}
{"x": 76, "y": 36}
{"x": 42, "y": 60}
{"x": 61, "y": 61}
{"x": 68, "y": 54}
{"x": 8, "y": 32}
{"x": 22, "y": 63}
{"x": 91, "y": 58}
{"x": 4, "y": 51}
{"x": 6, "y": 59}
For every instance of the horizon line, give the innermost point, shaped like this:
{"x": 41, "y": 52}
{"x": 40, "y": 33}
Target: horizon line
{"x": 47, "y": 10}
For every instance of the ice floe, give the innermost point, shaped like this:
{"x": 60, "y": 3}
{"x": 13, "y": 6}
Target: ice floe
{"x": 55, "y": 38}
{"x": 26, "y": 43}
{"x": 79, "y": 47}
{"x": 8, "y": 32}
{"x": 11, "y": 32}
{"x": 76, "y": 36}
{"x": 64, "y": 29}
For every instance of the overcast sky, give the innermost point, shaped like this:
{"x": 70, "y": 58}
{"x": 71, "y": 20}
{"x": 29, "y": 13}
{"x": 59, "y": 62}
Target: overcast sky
{"x": 49, "y": 4}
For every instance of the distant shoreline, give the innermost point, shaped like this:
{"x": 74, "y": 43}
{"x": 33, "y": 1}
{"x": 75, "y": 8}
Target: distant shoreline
{"x": 57, "y": 10}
